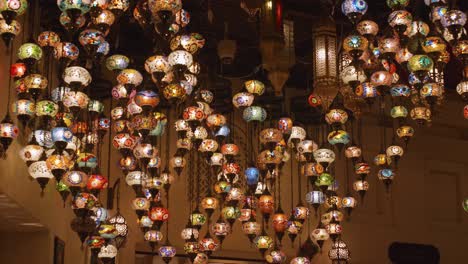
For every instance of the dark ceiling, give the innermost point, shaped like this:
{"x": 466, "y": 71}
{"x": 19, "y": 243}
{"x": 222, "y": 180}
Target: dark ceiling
{"x": 246, "y": 32}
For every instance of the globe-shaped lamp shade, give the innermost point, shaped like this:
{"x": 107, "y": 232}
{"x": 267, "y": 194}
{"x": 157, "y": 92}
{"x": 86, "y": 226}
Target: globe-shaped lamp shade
{"x": 400, "y": 20}
{"x": 315, "y": 197}
{"x": 324, "y": 155}
{"x": 9, "y": 31}
{"x": 339, "y": 138}
{"x": 381, "y": 79}
{"x": 117, "y": 62}
{"x": 135, "y": 178}
{"x": 180, "y": 58}
{"x": 29, "y": 52}
{"x": 367, "y": 28}
{"x": 167, "y": 251}
{"x": 420, "y": 63}
{"x": 208, "y": 245}
{"x": 353, "y": 76}
{"x": 74, "y": 7}
{"x": 252, "y": 175}
{"x": 251, "y": 228}
{"x": 434, "y": 45}
{"x": 188, "y": 232}
{"x": 35, "y": 84}
{"x": 254, "y": 87}
{"x": 336, "y": 116}
{"x": 107, "y": 252}
{"x": 47, "y": 108}
{"x": 355, "y": 45}
{"x": 254, "y": 113}
{"x": 76, "y": 75}
{"x": 197, "y": 219}
{"x": 153, "y": 236}
{"x": 220, "y": 229}
{"x": 166, "y": 5}
{"x": 66, "y": 51}
{"x": 453, "y": 18}
{"x": 174, "y": 92}
{"x": 300, "y": 260}
{"x": 465, "y": 204}
{"x": 10, "y": 9}
{"x": 72, "y": 22}
{"x": 209, "y": 203}
{"x": 157, "y": 64}
{"x": 266, "y": 203}
{"x": 400, "y": 90}
{"x": 103, "y": 20}
{"x": 324, "y": 180}
{"x": 243, "y": 99}
{"x": 189, "y": 42}
{"x": 130, "y": 77}
{"x": 354, "y": 9}
{"x": 420, "y": 114}
{"x": 360, "y": 185}
{"x": 39, "y": 169}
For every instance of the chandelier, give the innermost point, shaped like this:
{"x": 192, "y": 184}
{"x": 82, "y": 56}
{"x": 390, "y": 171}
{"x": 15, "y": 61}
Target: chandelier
{"x": 162, "y": 121}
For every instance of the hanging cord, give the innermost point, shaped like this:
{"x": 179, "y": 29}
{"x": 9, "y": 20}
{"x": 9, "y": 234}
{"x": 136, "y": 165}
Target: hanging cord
{"x": 299, "y": 182}
{"x": 190, "y": 183}
{"x": 9, "y": 84}
{"x": 30, "y": 17}
{"x": 250, "y": 152}
{"x": 319, "y": 136}
{"x": 359, "y": 132}
{"x": 278, "y": 184}
{"x": 159, "y": 143}
{"x": 347, "y": 176}
{"x": 25, "y": 21}
{"x": 275, "y": 194}
{"x": 454, "y": 4}
{"x": 299, "y": 187}
{"x": 308, "y": 218}
{"x": 258, "y": 146}
{"x": 292, "y": 185}
{"x": 382, "y": 123}
{"x": 167, "y": 222}
{"x": 168, "y": 137}
{"x": 118, "y": 196}
{"x": 47, "y": 71}
{"x": 316, "y": 131}
{"x": 99, "y": 153}
{"x": 211, "y": 175}
{"x": 197, "y": 181}
{"x": 109, "y": 139}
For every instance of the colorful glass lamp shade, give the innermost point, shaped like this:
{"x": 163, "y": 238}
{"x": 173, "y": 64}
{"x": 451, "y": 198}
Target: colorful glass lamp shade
{"x": 353, "y": 9}
{"x": 254, "y": 113}
{"x": 153, "y": 237}
{"x": 10, "y": 9}
{"x": 74, "y": 8}
{"x": 220, "y": 229}
{"x": 263, "y": 242}
{"x": 9, "y": 31}
{"x": 40, "y": 172}
{"x": 61, "y": 135}
{"x": 180, "y": 60}
{"x": 167, "y": 252}
{"x": 107, "y": 253}
{"x": 454, "y": 20}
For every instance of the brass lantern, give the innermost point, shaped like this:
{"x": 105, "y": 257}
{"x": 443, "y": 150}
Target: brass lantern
{"x": 325, "y": 62}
